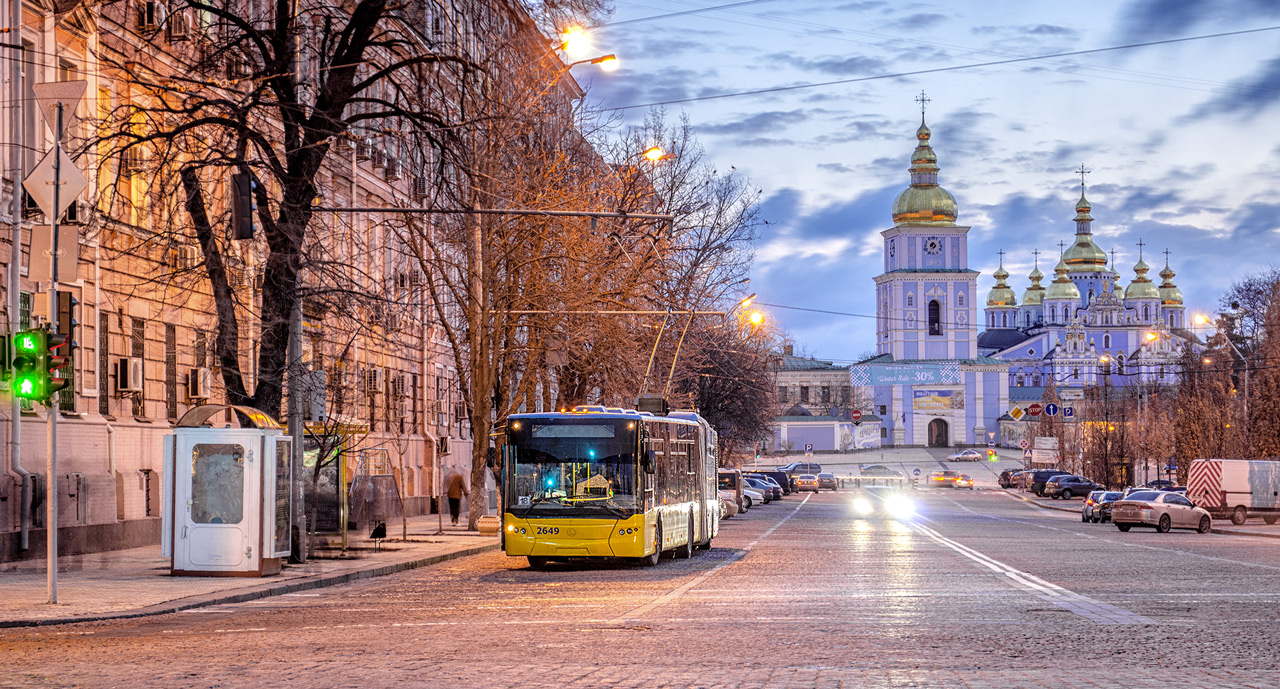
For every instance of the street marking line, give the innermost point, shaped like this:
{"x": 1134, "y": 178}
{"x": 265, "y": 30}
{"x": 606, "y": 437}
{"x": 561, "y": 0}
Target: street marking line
{"x": 682, "y": 589}
{"x": 1080, "y": 604}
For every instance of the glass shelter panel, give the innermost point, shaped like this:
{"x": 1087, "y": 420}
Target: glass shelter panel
{"x": 217, "y": 483}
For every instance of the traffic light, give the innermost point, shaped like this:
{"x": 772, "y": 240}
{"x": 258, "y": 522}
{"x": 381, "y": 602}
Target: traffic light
{"x": 991, "y": 454}
{"x": 30, "y": 368}
{"x": 57, "y": 356}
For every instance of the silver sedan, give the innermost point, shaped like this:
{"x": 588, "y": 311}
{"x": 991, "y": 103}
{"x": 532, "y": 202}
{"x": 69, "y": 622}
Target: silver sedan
{"x": 1160, "y": 509}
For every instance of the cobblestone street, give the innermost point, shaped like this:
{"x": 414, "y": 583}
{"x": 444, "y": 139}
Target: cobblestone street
{"x": 980, "y": 590}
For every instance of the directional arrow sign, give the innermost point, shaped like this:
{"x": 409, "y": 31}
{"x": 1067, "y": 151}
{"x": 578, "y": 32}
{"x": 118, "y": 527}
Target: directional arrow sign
{"x": 49, "y": 94}
{"x": 1051, "y": 409}
{"x": 39, "y": 184}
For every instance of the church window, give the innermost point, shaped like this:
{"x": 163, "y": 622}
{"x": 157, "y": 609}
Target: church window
{"x": 1120, "y": 364}
{"x": 1075, "y": 372}
{"x": 1019, "y": 380}
{"x": 1106, "y": 341}
{"x": 1026, "y": 322}
{"x": 911, "y": 301}
{"x": 1162, "y": 372}
{"x": 1146, "y": 313}
{"x": 960, "y": 299}
{"x": 1004, "y": 320}
{"x": 1090, "y": 295}
{"x": 883, "y": 410}
{"x": 1035, "y": 379}
{"x": 935, "y": 317}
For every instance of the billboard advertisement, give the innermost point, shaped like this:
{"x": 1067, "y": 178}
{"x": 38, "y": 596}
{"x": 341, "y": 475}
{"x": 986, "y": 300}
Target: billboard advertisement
{"x": 938, "y": 400}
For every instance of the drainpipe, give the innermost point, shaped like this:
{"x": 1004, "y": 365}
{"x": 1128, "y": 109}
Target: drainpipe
{"x": 111, "y": 451}
{"x": 15, "y": 263}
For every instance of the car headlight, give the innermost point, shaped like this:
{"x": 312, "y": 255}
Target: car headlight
{"x": 900, "y": 507}
{"x": 862, "y": 506}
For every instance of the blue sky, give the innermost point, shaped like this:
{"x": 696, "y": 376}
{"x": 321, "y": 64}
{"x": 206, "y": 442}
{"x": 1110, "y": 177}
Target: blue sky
{"x": 1181, "y": 138}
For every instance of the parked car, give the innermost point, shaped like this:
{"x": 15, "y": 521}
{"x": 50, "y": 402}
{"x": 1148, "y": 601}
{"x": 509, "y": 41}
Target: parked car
{"x": 728, "y": 504}
{"x": 1236, "y": 488}
{"x": 1039, "y": 476}
{"x": 1088, "y": 511}
{"x": 828, "y": 480}
{"x": 1009, "y": 478}
{"x": 807, "y": 482}
{"x": 751, "y": 498}
{"x": 771, "y": 484}
{"x": 964, "y": 482}
{"x": 1161, "y": 509}
{"x": 943, "y": 479}
{"x": 1068, "y": 486}
{"x": 1102, "y": 508}
{"x": 801, "y": 468}
{"x": 1159, "y": 484}
{"x": 970, "y": 455}
{"x": 878, "y": 470}
{"x": 765, "y": 490}
{"x": 779, "y": 477}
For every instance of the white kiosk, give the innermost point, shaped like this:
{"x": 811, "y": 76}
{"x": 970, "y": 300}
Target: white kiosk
{"x": 226, "y": 494}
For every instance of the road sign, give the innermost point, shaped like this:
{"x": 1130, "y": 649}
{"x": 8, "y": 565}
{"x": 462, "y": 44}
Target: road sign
{"x": 1026, "y": 454}
{"x": 915, "y": 472}
{"x": 1068, "y": 412}
{"x": 856, "y": 416}
{"x": 1035, "y": 409}
{"x": 1017, "y": 413}
{"x": 991, "y": 444}
{"x": 42, "y": 246}
{"x": 991, "y": 435}
{"x": 1022, "y": 443}
{"x": 808, "y": 449}
{"x": 50, "y": 93}
{"x": 1051, "y": 409}
{"x": 39, "y": 184}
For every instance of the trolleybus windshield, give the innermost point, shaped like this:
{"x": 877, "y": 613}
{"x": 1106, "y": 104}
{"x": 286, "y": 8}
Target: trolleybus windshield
{"x": 564, "y": 467}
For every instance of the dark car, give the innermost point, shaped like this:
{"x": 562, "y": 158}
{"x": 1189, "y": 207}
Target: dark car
{"x": 878, "y": 470}
{"x": 765, "y": 489}
{"x": 1102, "y": 506}
{"x": 1009, "y": 478}
{"x": 1069, "y": 486}
{"x": 779, "y": 477}
{"x": 1039, "y": 476}
{"x": 800, "y": 468}
{"x": 773, "y": 485}
{"x": 828, "y": 480}
{"x": 1160, "y": 484}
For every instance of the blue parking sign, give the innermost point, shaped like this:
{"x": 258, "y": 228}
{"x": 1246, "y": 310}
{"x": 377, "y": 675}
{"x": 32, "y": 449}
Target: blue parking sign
{"x": 1068, "y": 412}
{"x": 1051, "y": 409}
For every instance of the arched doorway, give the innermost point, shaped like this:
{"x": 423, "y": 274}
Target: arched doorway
{"x": 938, "y": 433}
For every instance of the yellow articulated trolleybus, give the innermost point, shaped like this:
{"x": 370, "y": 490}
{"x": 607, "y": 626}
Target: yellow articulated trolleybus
{"x": 607, "y": 483}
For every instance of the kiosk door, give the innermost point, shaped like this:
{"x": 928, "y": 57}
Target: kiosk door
{"x": 218, "y": 529}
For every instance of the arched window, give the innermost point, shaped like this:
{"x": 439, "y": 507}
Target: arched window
{"x": 1053, "y": 313}
{"x": 935, "y": 317}
{"x": 911, "y": 300}
{"x": 1026, "y": 322}
{"x": 1120, "y": 364}
{"x": 1075, "y": 372}
{"x": 1004, "y": 318}
{"x": 1106, "y": 341}
{"x": 1146, "y": 313}
{"x": 960, "y": 299}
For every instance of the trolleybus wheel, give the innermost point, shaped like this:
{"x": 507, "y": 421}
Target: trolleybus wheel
{"x": 685, "y": 551}
{"x": 537, "y": 562}
{"x": 652, "y": 559}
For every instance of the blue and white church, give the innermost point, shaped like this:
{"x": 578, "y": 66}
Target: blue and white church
{"x": 931, "y": 384}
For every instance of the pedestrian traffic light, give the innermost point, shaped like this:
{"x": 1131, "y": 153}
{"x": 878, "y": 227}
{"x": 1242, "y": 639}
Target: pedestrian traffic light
{"x": 30, "y": 370}
{"x": 991, "y": 455}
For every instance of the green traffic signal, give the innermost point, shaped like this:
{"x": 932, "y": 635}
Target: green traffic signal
{"x": 30, "y": 365}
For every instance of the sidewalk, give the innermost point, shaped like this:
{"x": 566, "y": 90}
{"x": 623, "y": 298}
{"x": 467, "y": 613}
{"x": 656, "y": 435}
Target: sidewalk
{"x": 1223, "y": 526}
{"x": 136, "y": 582}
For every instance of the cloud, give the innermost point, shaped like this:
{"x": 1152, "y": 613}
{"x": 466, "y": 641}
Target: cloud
{"x": 1148, "y": 20}
{"x": 759, "y": 122}
{"x": 840, "y": 168}
{"x": 1246, "y": 97}
{"x": 853, "y": 65}
{"x": 915, "y": 22}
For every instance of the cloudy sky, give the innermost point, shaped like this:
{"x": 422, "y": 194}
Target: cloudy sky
{"x": 1181, "y": 137}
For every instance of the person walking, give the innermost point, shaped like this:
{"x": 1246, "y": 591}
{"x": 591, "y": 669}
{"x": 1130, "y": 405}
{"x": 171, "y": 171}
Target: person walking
{"x": 457, "y": 489}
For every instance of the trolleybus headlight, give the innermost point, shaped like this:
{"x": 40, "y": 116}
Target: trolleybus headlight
{"x": 511, "y": 527}
{"x": 523, "y": 531}
{"x": 862, "y": 506}
{"x": 622, "y": 532}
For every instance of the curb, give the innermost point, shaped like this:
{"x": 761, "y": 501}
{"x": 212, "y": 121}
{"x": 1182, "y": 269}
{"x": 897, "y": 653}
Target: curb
{"x": 1042, "y": 506}
{"x": 1229, "y": 532}
{"x": 261, "y": 591}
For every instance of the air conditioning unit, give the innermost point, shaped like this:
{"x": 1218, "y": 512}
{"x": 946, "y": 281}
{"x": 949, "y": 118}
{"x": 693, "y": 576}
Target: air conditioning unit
{"x": 460, "y": 411}
{"x": 184, "y": 257}
{"x": 150, "y": 15}
{"x": 395, "y": 170}
{"x": 315, "y": 393}
{"x": 178, "y": 25}
{"x": 199, "y": 381}
{"x": 374, "y": 380}
{"x": 419, "y": 187}
{"x": 379, "y": 158}
{"x": 129, "y": 374}
{"x": 442, "y": 406}
{"x": 342, "y": 143}
{"x": 364, "y": 149}
{"x": 442, "y": 445}
{"x": 131, "y": 161}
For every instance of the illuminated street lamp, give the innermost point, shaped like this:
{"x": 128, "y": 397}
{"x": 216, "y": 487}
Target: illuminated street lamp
{"x": 575, "y": 41}
{"x": 1201, "y": 319}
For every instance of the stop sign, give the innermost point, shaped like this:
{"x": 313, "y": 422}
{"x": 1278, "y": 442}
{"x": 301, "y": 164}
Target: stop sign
{"x": 855, "y": 415}
{"x": 1035, "y": 409}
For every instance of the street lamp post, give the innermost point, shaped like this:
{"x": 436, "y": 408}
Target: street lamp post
{"x": 1204, "y": 320}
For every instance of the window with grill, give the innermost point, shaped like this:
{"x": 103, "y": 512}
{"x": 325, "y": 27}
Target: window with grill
{"x": 104, "y": 364}
{"x": 171, "y": 370}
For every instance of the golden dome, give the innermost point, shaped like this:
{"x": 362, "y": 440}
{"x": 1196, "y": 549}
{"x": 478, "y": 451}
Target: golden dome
{"x": 1141, "y": 287}
{"x": 924, "y": 202}
{"x": 1084, "y": 256}
{"x": 1034, "y": 296}
{"x": 1062, "y": 287}
{"x": 1001, "y": 294}
{"x": 1169, "y": 292}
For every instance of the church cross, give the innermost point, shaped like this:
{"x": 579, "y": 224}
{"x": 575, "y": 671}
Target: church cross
{"x": 1036, "y": 253}
{"x": 1082, "y": 172}
{"x": 923, "y": 100}
{"x": 1062, "y": 247}
{"x": 1001, "y": 252}
{"x": 1113, "y": 259}
{"x": 1166, "y": 257}
{"x": 1140, "y": 245}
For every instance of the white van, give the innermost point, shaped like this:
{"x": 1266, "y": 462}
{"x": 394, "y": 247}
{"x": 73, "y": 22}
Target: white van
{"x": 1236, "y": 488}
